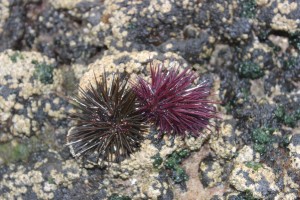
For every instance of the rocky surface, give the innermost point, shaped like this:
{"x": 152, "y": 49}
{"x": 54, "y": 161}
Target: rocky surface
{"x": 29, "y": 81}
{"x": 248, "y": 50}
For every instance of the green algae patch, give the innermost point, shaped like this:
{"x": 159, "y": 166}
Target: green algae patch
{"x": 253, "y": 165}
{"x": 250, "y": 70}
{"x": 249, "y": 8}
{"x": 279, "y": 112}
{"x": 246, "y": 195}
{"x": 285, "y": 141}
{"x": 173, "y": 163}
{"x": 131, "y": 26}
{"x": 262, "y": 137}
{"x": 14, "y": 57}
{"x": 290, "y": 63}
{"x": 51, "y": 180}
{"x": 294, "y": 40}
{"x": 43, "y": 72}
{"x": 157, "y": 161}
{"x": 288, "y": 119}
{"x": 297, "y": 114}
{"x": 118, "y": 197}
{"x": 179, "y": 175}
{"x": 15, "y": 151}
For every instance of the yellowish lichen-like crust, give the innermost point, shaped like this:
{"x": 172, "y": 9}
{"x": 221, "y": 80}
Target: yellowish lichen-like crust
{"x": 119, "y": 15}
{"x": 281, "y": 22}
{"x": 4, "y": 13}
{"x": 288, "y": 196}
{"x": 195, "y": 144}
{"x": 214, "y": 173}
{"x": 257, "y": 46}
{"x": 245, "y": 154}
{"x": 286, "y": 7}
{"x": 280, "y": 41}
{"x": 294, "y": 147}
{"x": 20, "y": 124}
{"x": 262, "y": 2}
{"x": 79, "y": 70}
{"x": 66, "y": 4}
{"x": 221, "y": 144}
{"x": 289, "y": 186}
{"x": 139, "y": 167}
{"x": 242, "y": 175}
{"x": 22, "y": 71}
{"x": 133, "y": 65}
{"x": 22, "y": 179}
{"x": 17, "y": 75}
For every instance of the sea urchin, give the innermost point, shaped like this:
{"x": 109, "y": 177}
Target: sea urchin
{"x": 108, "y": 122}
{"x": 173, "y": 103}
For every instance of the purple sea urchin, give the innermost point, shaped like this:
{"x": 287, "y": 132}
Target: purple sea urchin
{"x": 108, "y": 123}
{"x": 172, "y": 103}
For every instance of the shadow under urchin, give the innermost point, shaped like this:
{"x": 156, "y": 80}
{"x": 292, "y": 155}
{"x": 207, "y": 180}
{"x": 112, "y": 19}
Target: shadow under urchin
{"x": 108, "y": 122}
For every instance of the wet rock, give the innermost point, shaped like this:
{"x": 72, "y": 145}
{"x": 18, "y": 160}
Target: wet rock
{"x": 149, "y": 22}
{"x": 223, "y": 144}
{"x": 211, "y": 172}
{"x": 294, "y": 147}
{"x": 239, "y": 31}
{"x": 245, "y": 154}
{"x": 131, "y": 63}
{"x": 221, "y": 56}
{"x": 27, "y": 83}
{"x": 240, "y": 195}
{"x": 12, "y": 24}
{"x": 260, "y": 182}
{"x": 45, "y": 178}
{"x": 250, "y": 46}
{"x": 284, "y": 75}
{"x": 64, "y": 34}
{"x": 193, "y": 50}
{"x": 4, "y": 10}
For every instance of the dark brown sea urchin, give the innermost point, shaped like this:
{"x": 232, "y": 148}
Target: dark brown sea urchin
{"x": 173, "y": 103}
{"x": 108, "y": 122}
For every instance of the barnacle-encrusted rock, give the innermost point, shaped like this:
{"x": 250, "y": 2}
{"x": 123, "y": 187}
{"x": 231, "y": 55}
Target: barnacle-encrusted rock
{"x": 224, "y": 142}
{"x": 291, "y": 188}
{"x": 68, "y": 4}
{"x": 45, "y": 179}
{"x": 211, "y": 172}
{"x": 140, "y": 23}
{"x": 27, "y": 83}
{"x": 245, "y": 154}
{"x": 4, "y": 13}
{"x": 61, "y": 30}
{"x": 232, "y": 41}
{"x": 12, "y": 24}
{"x": 294, "y": 147}
{"x": 281, "y": 22}
{"x": 132, "y": 63}
{"x": 259, "y": 181}
{"x": 281, "y": 15}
